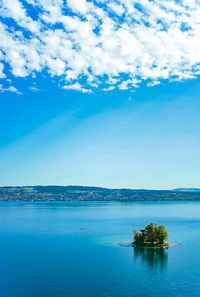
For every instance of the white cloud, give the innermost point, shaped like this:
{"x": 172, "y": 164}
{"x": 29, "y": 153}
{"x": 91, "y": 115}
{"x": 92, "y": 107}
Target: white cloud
{"x": 106, "y": 44}
{"x": 13, "y": 90}
{"x": 153, "y": 83}
{"x": 80, "y": 6}
{"x": 126, "y": 84}
{"x": 76, "y": 87}
{"x": 118, "y": 9}
{"x": 70, "y": 75}
{"x": 2, "y": 75}
{"x": 14, "y": 9}
{"x": 9, "y": 89}
{"x": 109, "y": 88}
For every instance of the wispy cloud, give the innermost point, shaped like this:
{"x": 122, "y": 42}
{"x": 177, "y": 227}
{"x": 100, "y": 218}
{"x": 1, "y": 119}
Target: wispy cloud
{"x": 34, "y": 89}
{"x": 103, "y": 44}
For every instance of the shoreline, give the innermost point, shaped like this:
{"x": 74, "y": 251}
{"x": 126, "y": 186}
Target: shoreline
{"x": 173, "y": 244}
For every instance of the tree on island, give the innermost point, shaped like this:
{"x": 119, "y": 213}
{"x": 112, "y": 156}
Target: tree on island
{"x": 152, "y": 235}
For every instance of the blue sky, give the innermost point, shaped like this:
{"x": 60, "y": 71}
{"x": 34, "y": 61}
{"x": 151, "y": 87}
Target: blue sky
{"x": 104, "y": 139}
{"x": 104, "y": 93}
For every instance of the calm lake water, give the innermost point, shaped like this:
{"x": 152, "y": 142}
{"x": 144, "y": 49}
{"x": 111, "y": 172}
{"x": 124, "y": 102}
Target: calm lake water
{"x": 44, "y": 254}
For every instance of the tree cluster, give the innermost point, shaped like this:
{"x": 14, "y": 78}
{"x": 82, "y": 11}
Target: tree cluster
{"x": 152, "y": 235}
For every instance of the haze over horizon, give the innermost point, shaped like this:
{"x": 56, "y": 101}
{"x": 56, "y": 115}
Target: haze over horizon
{"x": 111, "y": 188}
{"x": 100, "y": 93}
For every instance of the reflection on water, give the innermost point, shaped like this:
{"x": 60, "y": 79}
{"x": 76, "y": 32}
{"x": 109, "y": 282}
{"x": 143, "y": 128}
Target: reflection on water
{"x": 154, "y": 257}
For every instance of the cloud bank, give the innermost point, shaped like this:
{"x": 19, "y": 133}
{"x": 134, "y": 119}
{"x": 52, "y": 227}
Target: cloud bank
{"x": 100, "y": 44}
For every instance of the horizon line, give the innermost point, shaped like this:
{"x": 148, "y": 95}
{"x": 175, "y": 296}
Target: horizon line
{"x": 102, "y": 187}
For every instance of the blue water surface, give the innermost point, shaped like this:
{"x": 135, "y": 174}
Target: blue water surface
{"x": 43, "y": 253}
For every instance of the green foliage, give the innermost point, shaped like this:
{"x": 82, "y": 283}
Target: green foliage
{"x": 152, "y": 235}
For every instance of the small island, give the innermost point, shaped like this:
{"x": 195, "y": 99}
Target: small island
{"x": 153, "y": 235}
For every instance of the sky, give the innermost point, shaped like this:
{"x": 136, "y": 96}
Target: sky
{"x": 100, "y": 93}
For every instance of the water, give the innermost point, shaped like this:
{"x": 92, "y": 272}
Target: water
{"x": 44, "y": 254}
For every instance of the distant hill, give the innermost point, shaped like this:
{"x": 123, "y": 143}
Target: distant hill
{"x": 81, "y": 193}
{"x": 194, "y": 190}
